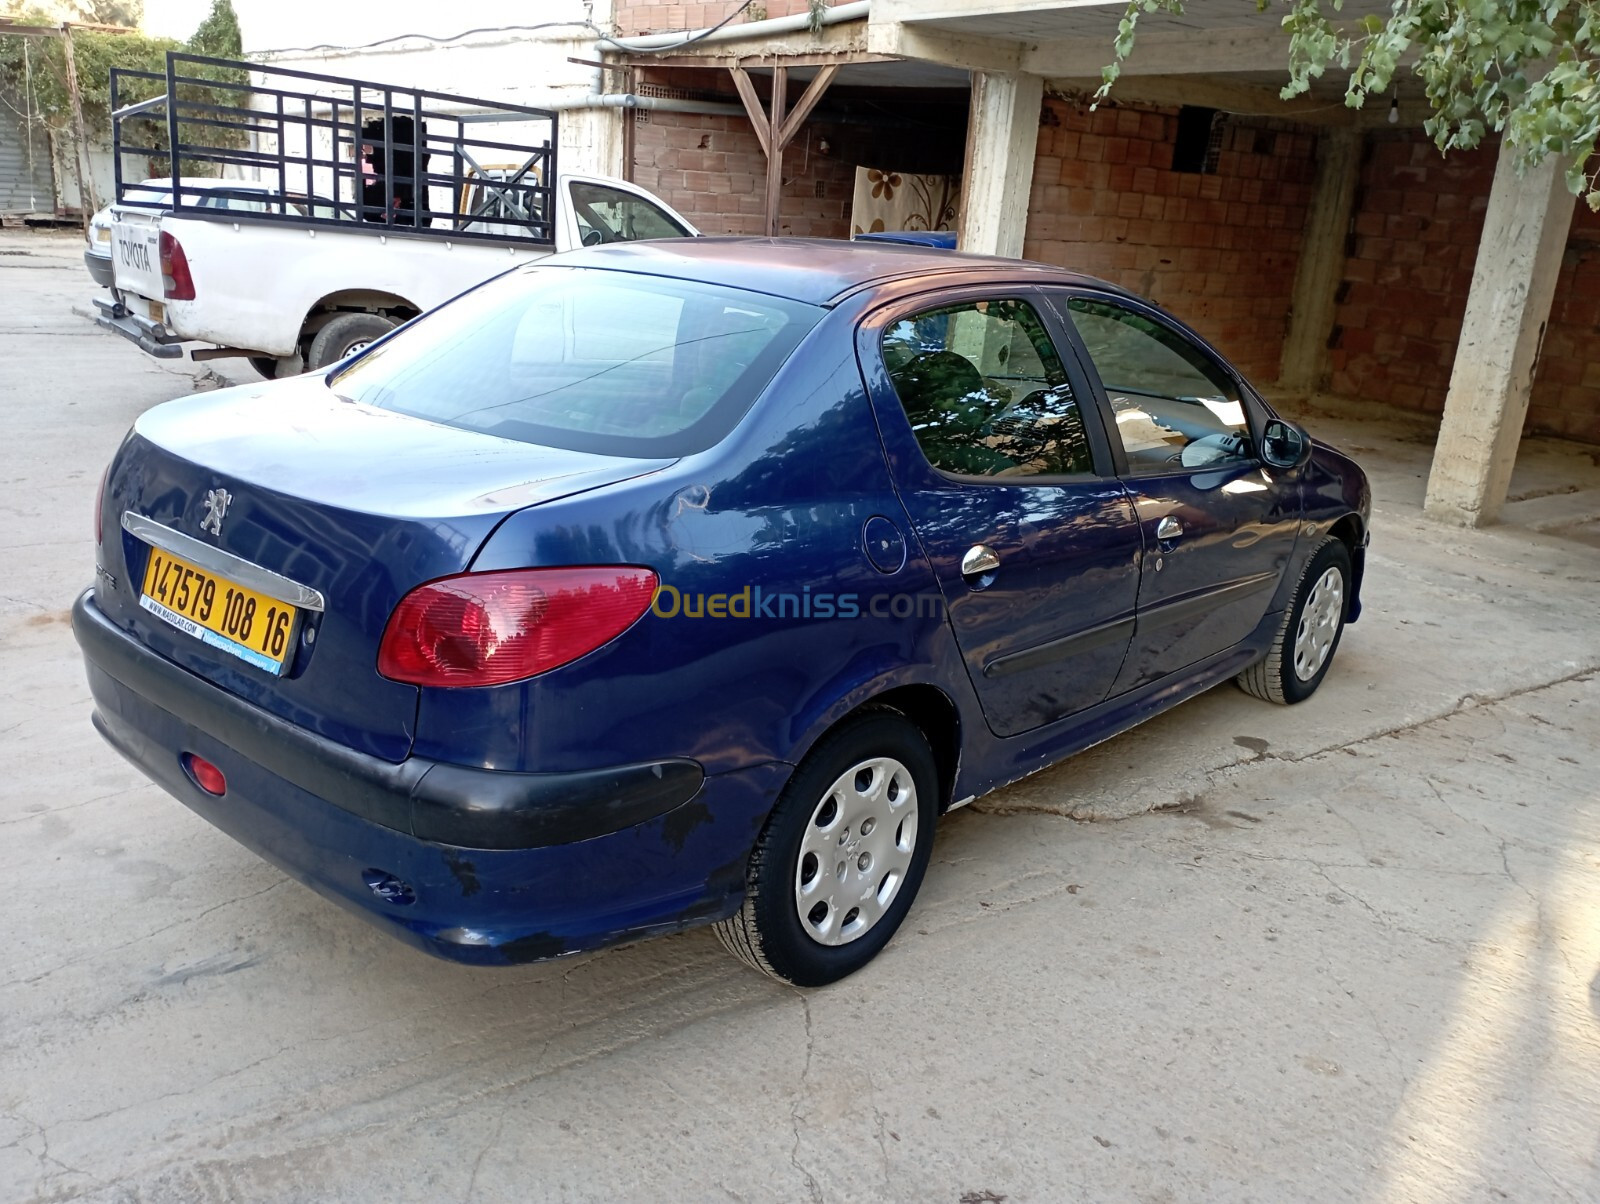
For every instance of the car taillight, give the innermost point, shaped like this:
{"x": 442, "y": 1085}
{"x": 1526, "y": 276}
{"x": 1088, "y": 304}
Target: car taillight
{"x": 176, "y": 282}
{"x": 485, "y": 629}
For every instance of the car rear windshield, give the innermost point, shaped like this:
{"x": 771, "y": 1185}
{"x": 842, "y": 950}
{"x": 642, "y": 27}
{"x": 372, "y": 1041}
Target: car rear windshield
{"x": 587, "y": 360}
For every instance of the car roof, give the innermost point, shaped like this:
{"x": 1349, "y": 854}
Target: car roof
{"x": 818, "y": 271}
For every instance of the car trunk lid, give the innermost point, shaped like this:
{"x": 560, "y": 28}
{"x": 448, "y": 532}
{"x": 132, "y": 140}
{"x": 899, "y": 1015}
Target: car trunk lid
{"x": 357, "y": 504}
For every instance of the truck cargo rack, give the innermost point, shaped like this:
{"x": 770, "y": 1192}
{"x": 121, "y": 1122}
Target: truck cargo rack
{"x": 327, "y": 151}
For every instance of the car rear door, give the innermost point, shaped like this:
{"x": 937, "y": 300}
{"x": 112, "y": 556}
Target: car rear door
{"x": 1005, "y": 473}
{"x": 1218, "y": 524}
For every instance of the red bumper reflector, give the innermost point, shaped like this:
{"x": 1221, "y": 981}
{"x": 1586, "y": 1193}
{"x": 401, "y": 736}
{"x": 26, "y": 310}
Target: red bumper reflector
{"x": 206, "y": 775}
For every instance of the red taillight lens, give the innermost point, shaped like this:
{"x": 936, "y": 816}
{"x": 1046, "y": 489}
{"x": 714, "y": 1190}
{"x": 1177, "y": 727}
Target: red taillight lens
{"x": 178, "y": 284}
{"x": 206, "y": 775}
{"x": 485, "y": 629}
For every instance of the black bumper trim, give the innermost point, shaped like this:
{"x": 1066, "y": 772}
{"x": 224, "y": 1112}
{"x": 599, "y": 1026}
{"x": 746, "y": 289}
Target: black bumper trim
{"x": 432, "y": 800}
{"x": 116, "y": 318}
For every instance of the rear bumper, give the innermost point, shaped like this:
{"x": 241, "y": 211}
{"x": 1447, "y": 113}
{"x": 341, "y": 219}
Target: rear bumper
{"x": 634, "y": 857}
{"x": 451, "y": 804}
{"x": 100, "y": 269}
{"x": 151, "y": 337}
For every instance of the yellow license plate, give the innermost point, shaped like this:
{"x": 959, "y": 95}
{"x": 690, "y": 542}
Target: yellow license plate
{"x": 158, "y": 312}
{"x": 239, "y": 621}
{"x": 102, "y": 234}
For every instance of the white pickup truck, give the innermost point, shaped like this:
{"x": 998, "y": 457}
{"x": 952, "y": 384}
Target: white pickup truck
{"x": 293, "y": 298}
{"x": 379, "y": 203}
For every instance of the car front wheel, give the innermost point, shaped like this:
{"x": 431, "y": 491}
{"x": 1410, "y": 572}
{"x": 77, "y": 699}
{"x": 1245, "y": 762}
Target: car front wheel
{"x": 1303, "y": 647}
{"x": 837, "y": 866}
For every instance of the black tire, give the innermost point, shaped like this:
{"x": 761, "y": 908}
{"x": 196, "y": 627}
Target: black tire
{"x": 768, "y": 932}
{"x": 266, "y": 365}
{"x": 1276, "y": 677}
{"x": 343, "y": 336}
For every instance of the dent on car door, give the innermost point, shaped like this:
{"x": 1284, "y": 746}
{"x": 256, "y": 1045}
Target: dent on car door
{"x": 1219, "y": 525}
{"x": 1006, "y": 479}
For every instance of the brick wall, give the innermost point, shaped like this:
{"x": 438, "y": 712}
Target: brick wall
{"x": 1566, "y": 387}
{"x": 1218, "y": 250}
{"x": 656, "y": 16}
{"x": 721, "y": 186}
{"x": 1418, "y": 218}
{"x": 1416, "y": 225}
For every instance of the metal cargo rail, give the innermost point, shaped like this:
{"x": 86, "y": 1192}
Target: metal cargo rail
{"x": 339, "y": 153}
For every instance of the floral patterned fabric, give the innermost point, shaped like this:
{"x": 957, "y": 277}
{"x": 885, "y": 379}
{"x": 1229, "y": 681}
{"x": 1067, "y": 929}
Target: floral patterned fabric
{"x": 887, "y": 200}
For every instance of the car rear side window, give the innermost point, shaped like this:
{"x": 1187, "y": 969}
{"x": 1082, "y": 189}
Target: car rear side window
{"x": 985, "y": 391}
{"x": 587, "y": 360}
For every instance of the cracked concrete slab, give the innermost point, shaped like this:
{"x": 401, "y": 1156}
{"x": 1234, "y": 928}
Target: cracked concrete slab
{"x": 1347, "y": 951}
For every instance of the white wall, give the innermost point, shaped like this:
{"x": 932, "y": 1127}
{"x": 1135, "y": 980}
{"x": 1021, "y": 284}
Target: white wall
{"x": 505, "y": 51}
{"x": 527, "y": 67}
{"x": 98, "y": 170}
{"x": 267, "y": 25}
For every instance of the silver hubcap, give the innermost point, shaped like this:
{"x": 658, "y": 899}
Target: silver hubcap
{"x": 856, "y": 851}
{"x": 1319, "y": 624}
{"x": 358, "y": 345}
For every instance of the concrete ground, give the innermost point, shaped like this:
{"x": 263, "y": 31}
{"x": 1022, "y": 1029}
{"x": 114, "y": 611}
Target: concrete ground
{"x": 1343, "y": 951}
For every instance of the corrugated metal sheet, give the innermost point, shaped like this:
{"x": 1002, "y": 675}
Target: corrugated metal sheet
{"x": 26, "y": 179}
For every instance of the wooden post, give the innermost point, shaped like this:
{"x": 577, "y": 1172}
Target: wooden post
{"x": 776, "y": 131}
{"x": 780, "y": 102}
{"x": 87, "y": 202}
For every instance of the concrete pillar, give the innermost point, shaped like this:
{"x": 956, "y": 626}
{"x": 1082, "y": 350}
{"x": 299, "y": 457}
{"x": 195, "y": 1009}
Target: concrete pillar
{"x": 1513, "y": 282}
{"x": 592, "y": 141}
{"x": 1305, "y": 367}
{"x": 1002, "y": 136}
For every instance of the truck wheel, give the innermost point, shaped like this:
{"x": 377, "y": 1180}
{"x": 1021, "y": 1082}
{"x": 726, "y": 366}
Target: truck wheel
{"x": 345, "y": 335}
{"x": 267, "y": 365}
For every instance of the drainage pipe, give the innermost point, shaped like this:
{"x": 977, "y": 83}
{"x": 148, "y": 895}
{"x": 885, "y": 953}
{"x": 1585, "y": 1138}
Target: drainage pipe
{"x": 836, "y": 15}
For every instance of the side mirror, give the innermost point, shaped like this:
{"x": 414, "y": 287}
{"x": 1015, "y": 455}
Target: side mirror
{"x": 1285, "y": 445}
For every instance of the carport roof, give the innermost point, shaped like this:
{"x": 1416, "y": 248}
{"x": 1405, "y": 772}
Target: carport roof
{"x": 1225, "y": 54}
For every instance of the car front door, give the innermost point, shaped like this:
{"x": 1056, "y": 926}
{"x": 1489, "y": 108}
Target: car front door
{"x": 599, "y": 210}
{"x": 1005, "y": 473}
{"x": 1219, "y": 524}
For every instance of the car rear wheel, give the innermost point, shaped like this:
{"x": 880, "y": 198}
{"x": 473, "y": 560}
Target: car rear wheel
{"x": 345, "y": 335}
{"x": 1303, "y": 647}
{"x": 837, "y": 866}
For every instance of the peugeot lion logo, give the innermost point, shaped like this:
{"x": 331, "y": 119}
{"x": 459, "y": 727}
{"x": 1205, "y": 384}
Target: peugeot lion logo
{"x": 216, "y": 509}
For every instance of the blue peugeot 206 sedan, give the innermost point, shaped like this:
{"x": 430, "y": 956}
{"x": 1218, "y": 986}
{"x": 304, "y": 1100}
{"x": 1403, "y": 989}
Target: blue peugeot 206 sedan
{"x": 665, "y": 584}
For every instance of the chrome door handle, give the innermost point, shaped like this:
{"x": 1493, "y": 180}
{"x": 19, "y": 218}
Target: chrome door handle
{"x": 1168, "y": 529}
{"x": 979, "y": 559}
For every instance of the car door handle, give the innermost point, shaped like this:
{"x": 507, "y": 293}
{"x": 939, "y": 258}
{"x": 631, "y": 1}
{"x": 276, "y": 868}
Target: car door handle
{"x": 980, "y": 559}
{"x": 1168, "y": 529}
